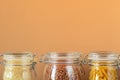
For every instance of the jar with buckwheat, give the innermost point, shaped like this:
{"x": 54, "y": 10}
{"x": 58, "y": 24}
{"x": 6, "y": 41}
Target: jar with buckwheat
{"x": 62, "y": 66}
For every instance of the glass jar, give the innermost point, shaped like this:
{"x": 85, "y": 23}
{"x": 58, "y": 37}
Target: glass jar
{"x": 62, "y": 66}
{"x": 103, "y": 65}
{"x": 18, "y": 66}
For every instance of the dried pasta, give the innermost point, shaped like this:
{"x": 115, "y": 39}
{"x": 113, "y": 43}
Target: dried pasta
{"x": 103, "y": 73}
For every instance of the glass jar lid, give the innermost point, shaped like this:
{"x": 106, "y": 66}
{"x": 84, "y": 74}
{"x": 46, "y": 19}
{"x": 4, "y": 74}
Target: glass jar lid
{"x": 103, "y": 55}
{"x": 67, "y": 57}
{"x": 23, "y": 58}
{"x": 102, "y": 58}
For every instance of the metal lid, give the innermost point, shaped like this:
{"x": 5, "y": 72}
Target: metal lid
{"x": 67, "y": 57}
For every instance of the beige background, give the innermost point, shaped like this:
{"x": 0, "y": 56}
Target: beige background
{"x": 41, "y": 26}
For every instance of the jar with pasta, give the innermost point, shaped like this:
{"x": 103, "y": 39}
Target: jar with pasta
{"x": 62, "y": 66}
{"x": 103, "y": 65}
{"x": 18, "y": 66}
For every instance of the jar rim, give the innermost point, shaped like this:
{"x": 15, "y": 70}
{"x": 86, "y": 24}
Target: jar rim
{"x": 17, "y": 54}
{"x": 103, "y": 55}
{"x": 18, "y": 57}
{"x": 61, "y": 57}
